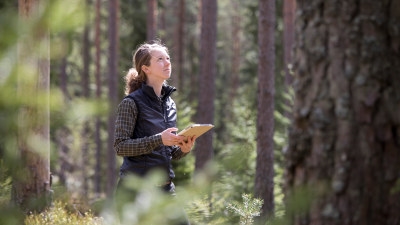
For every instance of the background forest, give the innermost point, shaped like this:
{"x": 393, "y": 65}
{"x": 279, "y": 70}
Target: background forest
{"x": 276, "y": 146}
{"x": 82, "y": 98}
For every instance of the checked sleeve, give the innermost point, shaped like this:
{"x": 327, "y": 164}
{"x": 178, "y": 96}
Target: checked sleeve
{"x": 125, "y": 122}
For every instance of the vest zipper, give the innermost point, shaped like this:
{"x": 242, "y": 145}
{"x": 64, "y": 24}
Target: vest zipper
{"x": 164, "y": 111}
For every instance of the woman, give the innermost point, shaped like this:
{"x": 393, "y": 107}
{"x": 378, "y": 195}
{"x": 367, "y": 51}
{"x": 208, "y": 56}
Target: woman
{"x": 146, "y": 118}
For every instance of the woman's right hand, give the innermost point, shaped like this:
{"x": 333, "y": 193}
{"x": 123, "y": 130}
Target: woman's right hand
{"x": 169, "y": 138}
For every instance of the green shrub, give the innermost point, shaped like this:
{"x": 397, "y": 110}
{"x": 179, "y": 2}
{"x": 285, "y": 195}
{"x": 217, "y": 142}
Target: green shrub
{"x": 247, "y": 210}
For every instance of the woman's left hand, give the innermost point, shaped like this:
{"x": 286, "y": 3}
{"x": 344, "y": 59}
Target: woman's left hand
{"x": 186, "y": 146}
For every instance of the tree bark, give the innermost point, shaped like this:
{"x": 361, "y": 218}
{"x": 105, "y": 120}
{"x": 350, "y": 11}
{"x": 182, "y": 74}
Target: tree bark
{"x": 235, "y": 64}
{"x": 85, "y": 133}
{"x": 63, "y": 134}
{"x": 264, "y": 177}
{"x": 31, "y": 182}
{"x": 99, "y": 161}
{"x": 205, "y": 112}
{"x": 235, "y": 60}
{"x": 344, "y": 146}
{"x": 289, "y": 8}
{"x": 113, "y": 94}
{"x": 179, "y": 44}
{"x": 151, "y": 19}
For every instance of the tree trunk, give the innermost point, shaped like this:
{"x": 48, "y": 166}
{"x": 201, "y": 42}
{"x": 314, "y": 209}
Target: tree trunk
{"x": 98, "y": 170}
{"x": 289, "y": 8}
{"x": 264, "y": 177}
{"x": 113, "y": 94}
{"x": 235, "y": 62}
{"x": 151, "y": 19}
{"x": 344, "y": 144}
{"x": 179, "y": 46}
{"x": 85, "y": 133}
{"x": 63, "y": 134}
{"x": 31, "y": 183}
{"x": 205, "y": 112}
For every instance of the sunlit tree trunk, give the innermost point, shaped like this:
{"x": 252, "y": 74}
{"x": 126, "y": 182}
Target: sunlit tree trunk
{"x": 204, "y": 150}
{"x": 344, "y": 143}
{"x": 151, "y": 23}
{"x": 31, "y": 182}
{"x": 113, "y": 94}
{"x": 264, "y": 177}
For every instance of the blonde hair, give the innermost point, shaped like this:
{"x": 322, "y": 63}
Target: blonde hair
{"x": 142, "y": 56}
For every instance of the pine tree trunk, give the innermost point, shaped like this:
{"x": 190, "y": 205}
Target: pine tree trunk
{"x": 63, "y": 134}
{"x": 264, "y": 177}
{"x": 179, "y": 78}
{"x": 99, "y": 161}
{"x": 85, "y": 132}
{"x": 344, "y": 147}
{"x": 31, "y": 182}
{"x": 205, "y": 112}
{"x": 235, "y": 64}
{"x": 289, "y": 7}
{"x": 151, "y": 23}
{"x": 113, "y": 94}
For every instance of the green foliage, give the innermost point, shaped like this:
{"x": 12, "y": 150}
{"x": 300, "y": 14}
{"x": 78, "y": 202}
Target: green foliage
{"x": 132, "y": 30}
{"x": 151, "y": 205}
{"x": 5, "y": 183}
{"x": 247, "y": 210}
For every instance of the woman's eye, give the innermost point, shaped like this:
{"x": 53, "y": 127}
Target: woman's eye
{"x": 162, "y": 59}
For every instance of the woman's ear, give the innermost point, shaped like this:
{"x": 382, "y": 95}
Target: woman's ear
{"x": 145, "y": 68}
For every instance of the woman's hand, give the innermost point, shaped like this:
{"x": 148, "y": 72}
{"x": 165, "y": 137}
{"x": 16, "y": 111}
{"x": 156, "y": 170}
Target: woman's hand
{"x": 169, "y": 138}
{"x": 186, "y": 146}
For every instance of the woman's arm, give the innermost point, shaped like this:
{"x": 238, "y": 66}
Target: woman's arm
{"x": 124, "y": 126}
{"x": 177, "y": 153}
{"x": 183, "y": 148}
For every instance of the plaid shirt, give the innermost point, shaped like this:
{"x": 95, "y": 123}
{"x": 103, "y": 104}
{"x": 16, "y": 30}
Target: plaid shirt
{"x": 124, "y": 145}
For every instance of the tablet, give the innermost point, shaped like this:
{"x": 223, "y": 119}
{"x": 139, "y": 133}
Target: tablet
{"x": 195, "y": 130}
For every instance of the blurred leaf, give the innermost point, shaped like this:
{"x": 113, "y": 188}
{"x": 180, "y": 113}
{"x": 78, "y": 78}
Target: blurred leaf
{"x": 63, "y": 16}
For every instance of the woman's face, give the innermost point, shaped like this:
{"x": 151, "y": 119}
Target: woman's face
{"x": 160, "y": 65}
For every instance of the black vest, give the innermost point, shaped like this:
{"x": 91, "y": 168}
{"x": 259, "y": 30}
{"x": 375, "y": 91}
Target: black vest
{"x": 154, "y": 116}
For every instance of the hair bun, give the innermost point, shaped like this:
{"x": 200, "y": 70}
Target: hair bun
{"x": 132, "y": 72}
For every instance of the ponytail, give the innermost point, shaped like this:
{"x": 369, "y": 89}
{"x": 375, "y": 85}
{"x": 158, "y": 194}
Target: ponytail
{"x": 132, "y": 81}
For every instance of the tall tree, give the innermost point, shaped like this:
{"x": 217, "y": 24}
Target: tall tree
{"x": 112, "y": 88}
{"x": 85, "y": 133}
{"x": 289, "y": 7}
{"x": 179, "y": 44}
{"x": 205, "y": 111}
{"x": 31, "y": 183}
{"x": 62, "y": 135}
{"x": 264, "y": 177}
{"x": 235, "y": 64}
{"x": 98, "y": 141}
{"x": 151, "y": 23}
{"x": 344, "y": 140}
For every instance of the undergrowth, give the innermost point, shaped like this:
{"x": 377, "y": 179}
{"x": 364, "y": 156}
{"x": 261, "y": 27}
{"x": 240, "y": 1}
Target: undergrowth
{"x": 60, "y": 215}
